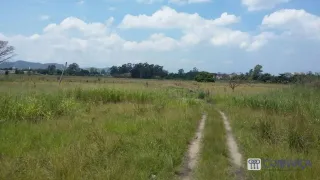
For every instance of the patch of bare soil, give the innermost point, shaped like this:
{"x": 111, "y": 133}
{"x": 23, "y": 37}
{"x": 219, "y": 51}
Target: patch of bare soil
{"x": 235, "y": 155}
{"x": 192, "y": 156}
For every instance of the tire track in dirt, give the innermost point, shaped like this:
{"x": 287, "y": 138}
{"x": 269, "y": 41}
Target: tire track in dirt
{"x": 235, "y": 155}
{"x": 192, "y": 157}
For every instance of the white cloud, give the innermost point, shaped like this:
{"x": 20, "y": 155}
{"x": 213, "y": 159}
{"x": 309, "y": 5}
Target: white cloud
{"x": 183, "y": 2}
{"x": 156, "y": 42}
{"x": 294, "y": 22}
{"x": 255, "y": 5}
{"x": 168, "y": 18}
{"x": 95, "y": 42}
{"x": 44, "y": 17}
{"x": 229, "y": 37}
{"x": 72, "y": 39}
{"x": 196, "y": 29}
{"x": 72, "y": 23}
{"x": 204, "y": 43}
{"x": 260, "y": 40}
{"x": 226, "y": 19}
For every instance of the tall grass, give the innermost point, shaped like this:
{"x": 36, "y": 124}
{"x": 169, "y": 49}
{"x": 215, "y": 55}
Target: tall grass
{"x": 38, "y": 106}
{"x": 296, "y": 99}
{"x": 281, "y": 124}
{"x": 98, "y": 133}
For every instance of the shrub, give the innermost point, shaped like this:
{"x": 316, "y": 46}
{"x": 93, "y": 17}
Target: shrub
{"x": 201, "y": 95}
{"x": 204, "y": 77}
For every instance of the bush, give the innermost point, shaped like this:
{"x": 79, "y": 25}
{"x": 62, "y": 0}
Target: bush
{"x": 201, "y": 95}
{"x": 204, "y": 77}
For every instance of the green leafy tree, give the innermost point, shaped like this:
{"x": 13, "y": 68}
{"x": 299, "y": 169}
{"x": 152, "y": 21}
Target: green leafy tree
{"x": 73, "y": 69}
{"x": 204, "y": 77}
{"x": 256, "y": 72}
{"x": 52, "y": 69}
{"x": 181, "y": 72}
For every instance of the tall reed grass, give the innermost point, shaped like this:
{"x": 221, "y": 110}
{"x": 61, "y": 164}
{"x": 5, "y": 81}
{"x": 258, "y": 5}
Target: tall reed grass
{"x": 39, "y": 106}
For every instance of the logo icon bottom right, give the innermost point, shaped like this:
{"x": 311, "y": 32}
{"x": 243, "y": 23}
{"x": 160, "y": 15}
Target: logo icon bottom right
{"x": 254, "y": 164}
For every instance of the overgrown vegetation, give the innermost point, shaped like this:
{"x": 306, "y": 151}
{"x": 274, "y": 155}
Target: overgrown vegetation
{"x": 282, "y": 124}
{"x": 94, "y": 133}
{"x": 94, "y": 128}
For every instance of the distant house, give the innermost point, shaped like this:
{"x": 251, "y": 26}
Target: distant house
{"x": 219, "y": 76}
{"x": 10, "y": 71}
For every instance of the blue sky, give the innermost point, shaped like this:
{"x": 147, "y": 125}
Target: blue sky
{"x": 212, "y": 35}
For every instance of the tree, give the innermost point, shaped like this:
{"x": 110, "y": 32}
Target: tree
{"x": 204, "y": 77}
{"x": 234, "y": 82}
{"x": 6, "y": 51}
{"x": 83, "y": 72}
{"x": 73, "y": 69}
{"x": 52, "y": 69}
{"x": 265, "y": 77}
{"x": 113, "y": 70}
{"x": 195, "y": 70}
{"x": 256, "y": 72}
{"x": 181, "y": 72}
{"x": 93, "y": 71}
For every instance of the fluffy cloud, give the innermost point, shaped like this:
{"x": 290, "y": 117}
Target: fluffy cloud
{"x": 72, "y": 39}
{"x": 168, "y": 18}
{"x": 294, "y": 22}
{"x": 75, "y": 24}
{"x": 196, "y": 29}
{"x": 100, "y": 43}
{"x": 156, "y": 42}
{"x": 255, "y": 5}
{"x": 81, "y": 41}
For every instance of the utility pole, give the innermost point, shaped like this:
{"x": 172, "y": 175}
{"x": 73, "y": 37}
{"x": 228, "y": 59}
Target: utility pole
{"x": 62, "y": 73}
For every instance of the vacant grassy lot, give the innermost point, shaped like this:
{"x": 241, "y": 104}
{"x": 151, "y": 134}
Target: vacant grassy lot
{"x": 93, "y": 133}
{"x": 106, "y": 128}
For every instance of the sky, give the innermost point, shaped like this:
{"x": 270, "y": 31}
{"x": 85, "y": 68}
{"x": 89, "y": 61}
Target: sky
{"x": 212, "y": 35}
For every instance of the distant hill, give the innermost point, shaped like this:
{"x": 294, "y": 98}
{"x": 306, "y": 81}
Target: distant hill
{"x": 25, "y": 65}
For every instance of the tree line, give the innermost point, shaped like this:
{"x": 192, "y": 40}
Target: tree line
{"x": 153, "y": 71}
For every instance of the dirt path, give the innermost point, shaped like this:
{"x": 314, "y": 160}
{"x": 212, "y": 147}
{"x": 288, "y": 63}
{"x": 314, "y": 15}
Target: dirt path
{"x": 235, "y": 156}
{"x": 192, "y": 157}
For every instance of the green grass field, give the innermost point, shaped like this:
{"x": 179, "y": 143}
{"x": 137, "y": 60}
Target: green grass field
{"x": 107, "y": 128}
{"x": 279, "y": 125}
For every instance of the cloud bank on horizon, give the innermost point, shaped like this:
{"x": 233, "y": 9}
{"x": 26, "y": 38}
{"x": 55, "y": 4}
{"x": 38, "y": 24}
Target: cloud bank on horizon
{"x": 213, "y": 35}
